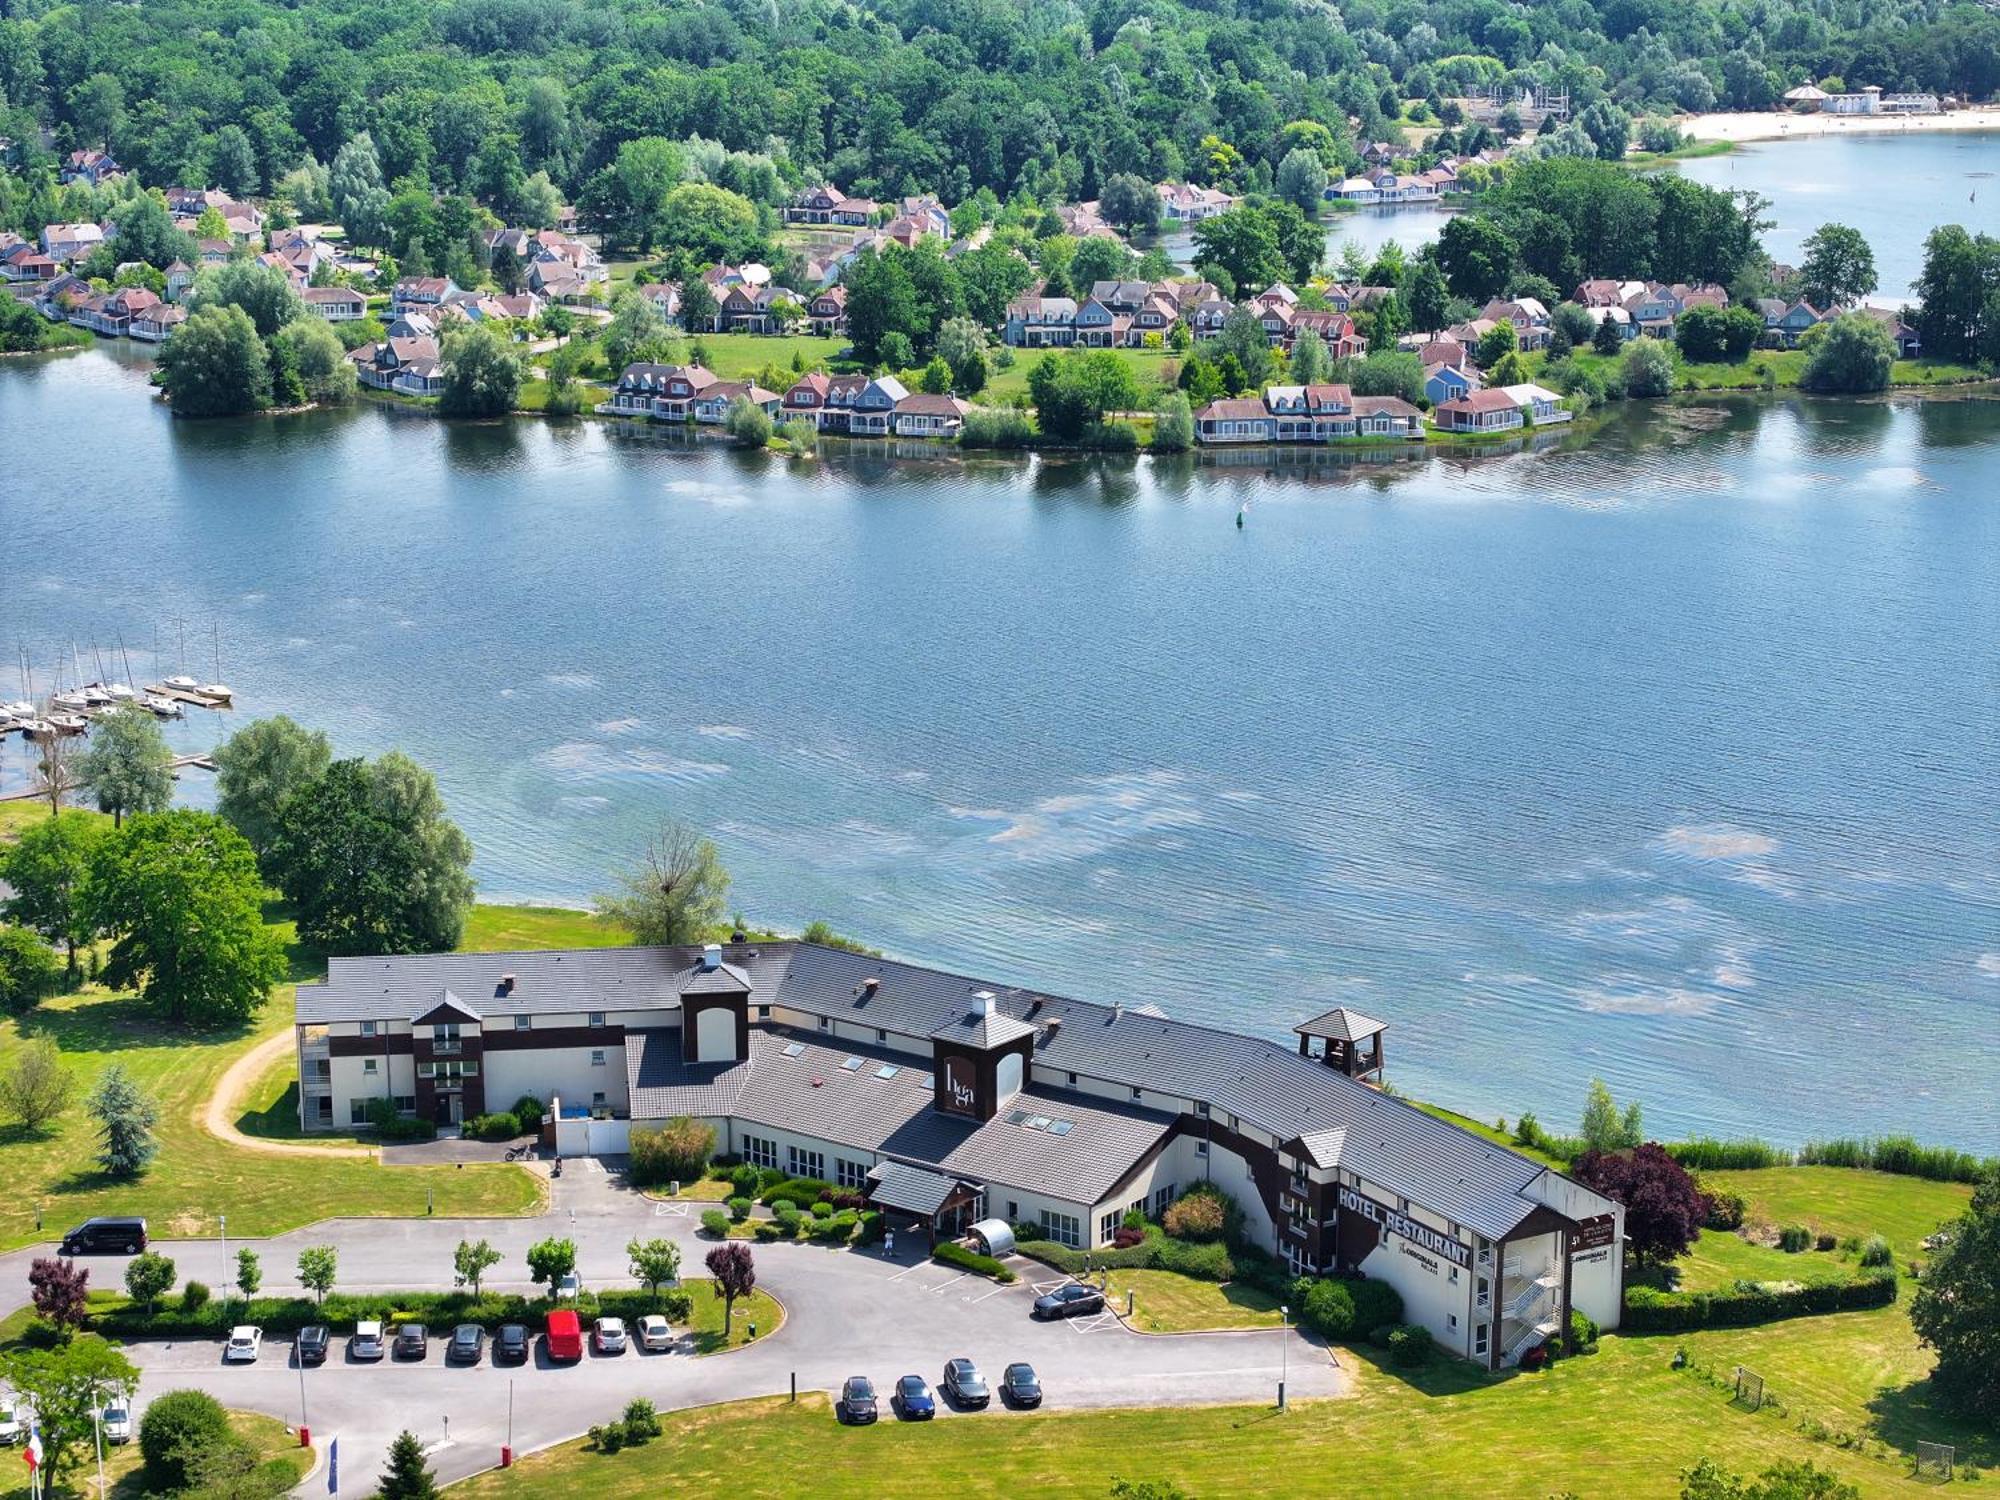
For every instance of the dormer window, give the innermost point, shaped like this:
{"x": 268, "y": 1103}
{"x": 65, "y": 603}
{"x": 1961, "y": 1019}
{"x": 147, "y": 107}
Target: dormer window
{"x": 368, "y": 1028}
{"x": 597, "y": 1018}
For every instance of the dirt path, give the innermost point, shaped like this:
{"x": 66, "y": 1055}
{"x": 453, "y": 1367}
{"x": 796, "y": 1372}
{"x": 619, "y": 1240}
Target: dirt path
{"x": 218, "y": 1117}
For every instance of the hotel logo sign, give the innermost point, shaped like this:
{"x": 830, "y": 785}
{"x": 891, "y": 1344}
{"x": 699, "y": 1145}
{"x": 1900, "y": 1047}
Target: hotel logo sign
{"x": 1393, "y": 1221}
{"x": 960, "y": 1096}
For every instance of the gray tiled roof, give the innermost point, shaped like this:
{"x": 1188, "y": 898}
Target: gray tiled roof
{"x": 1341, "y": 1024}
{"x": 979, "y": 1029}
{"x": 1437, "y": 1164}
{"x": 914, "y": 1190}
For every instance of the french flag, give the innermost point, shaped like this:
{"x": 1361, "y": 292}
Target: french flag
{"x": 32, "y": 1454}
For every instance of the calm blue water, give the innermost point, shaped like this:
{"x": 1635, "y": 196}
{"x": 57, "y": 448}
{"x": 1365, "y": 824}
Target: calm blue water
{"x": 1673, "y": 758}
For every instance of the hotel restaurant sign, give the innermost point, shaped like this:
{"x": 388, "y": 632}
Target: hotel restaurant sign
{"x": 1403, "y": 1226}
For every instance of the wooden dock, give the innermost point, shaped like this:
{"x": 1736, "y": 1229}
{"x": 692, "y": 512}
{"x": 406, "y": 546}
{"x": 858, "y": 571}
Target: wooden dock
{"x": 36, "y": 793}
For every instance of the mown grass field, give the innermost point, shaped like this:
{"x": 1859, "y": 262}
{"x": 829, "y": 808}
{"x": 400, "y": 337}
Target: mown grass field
{"x": 1003, "y": 385}
{"x": 1168, "y": 1303}
{"x": 1776, "y": 369}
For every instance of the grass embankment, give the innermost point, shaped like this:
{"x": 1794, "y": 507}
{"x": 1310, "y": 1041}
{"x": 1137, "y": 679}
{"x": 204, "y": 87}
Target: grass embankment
{"x": 1775, "y": 370}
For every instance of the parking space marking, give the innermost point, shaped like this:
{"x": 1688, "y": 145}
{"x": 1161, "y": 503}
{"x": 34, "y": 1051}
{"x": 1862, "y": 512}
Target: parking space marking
{"x": 943, "y": 1286}
{"x": 1089, "y": 1325}
{"x": 994, "y": 1293}
{"x": 670, "y": 1210}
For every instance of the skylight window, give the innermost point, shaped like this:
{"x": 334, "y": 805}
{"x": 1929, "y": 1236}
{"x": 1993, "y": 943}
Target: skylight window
{"x": 1038, "y": 1122}
{"x": 930, "y": 1080}
{"x": 1018, "y": 1117}
{"x": 1061, "y": 1127}
{"x": 887, "y": 1071}
{"x": 851, "y": 1065}
{"x": 795, "y": 1049}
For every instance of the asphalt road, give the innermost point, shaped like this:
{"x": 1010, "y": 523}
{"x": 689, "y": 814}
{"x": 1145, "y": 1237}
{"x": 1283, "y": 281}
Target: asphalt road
{"x": 848, "y": 1312}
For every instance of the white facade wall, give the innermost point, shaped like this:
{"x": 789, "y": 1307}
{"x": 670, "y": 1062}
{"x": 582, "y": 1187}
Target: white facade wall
{"x": 1231, "y": 1173}
{"x": 567, "y": 1071}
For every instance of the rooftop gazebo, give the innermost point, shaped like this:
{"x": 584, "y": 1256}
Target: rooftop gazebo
{"x": 1347, "y": 1041}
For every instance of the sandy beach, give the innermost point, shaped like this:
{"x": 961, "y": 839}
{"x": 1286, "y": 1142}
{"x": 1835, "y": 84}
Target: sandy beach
{"x": 1768, "y": 126}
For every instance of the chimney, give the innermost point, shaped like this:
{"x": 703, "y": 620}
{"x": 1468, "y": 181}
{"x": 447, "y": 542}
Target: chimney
{"x": 982, "y": 1002}
{"x": 711, "y": 955}
{"x": 1049, "y": 1031}
{"x": 870, "y": 985}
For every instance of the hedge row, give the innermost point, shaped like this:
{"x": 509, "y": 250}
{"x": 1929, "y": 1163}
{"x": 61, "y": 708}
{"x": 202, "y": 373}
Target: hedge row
{"x": 1648, "y": 1310}
{"x": 950, "y": 1254}
{"x": 439, "y": 1311}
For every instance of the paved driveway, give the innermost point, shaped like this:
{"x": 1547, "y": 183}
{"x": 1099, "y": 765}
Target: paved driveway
{"x": 849, "y": 1312}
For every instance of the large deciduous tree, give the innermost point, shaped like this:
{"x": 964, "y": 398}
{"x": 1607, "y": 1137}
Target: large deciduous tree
{"x": 129, "y": 767}
{"x": 181, "y": 895}
{"x": 1958, "y": 292}
{"x": 1957, "y": 1308}
{"x": 482, "y": 374}
{"x": 1839, "y": 267}
{"x": 735, "y": 1271}
{"x": 29, "y": 970}
{"x": 1663, "y": 1211}
{"x": 265, "y": 293}
{"x": 67, "y": 1386}
{"x": 1852, "y": 354}
{"x": 261, "y": 765}
{"x": 215, "y": 365}
{"x": 1476, "y": 257}
{"x": 49, "y": 869}
{"x": 674, "y": 893}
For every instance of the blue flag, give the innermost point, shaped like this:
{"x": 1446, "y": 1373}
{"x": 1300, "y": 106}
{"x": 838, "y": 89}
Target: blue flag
{"x": 333, "y": 1467}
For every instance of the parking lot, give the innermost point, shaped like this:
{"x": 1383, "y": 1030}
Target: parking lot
{"x": 849, "y": 1312}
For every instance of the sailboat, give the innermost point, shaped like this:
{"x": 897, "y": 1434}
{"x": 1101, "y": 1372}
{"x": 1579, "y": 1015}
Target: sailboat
{"x": 217, "y": 689}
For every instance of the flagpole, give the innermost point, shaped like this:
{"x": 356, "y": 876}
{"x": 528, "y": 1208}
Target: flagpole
{"x": 97, "y": 1428}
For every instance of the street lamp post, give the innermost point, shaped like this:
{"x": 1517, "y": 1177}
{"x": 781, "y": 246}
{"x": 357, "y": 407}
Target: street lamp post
{"x": 222, "y": 1230}
{"x": 1284, "y": 1353}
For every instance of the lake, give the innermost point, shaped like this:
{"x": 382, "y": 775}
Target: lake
{"x": 1671, "y": 756}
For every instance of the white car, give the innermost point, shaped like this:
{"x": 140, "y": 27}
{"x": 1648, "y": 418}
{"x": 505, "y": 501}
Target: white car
{"x": 244, "y": 1342}
{"x": 12, "y": 1428}
{"x": 116, "y": 1422}
{"x": 655, "y": 1336}
{"x": 609, "y": 1335}
{"x": 568, "y": 1286}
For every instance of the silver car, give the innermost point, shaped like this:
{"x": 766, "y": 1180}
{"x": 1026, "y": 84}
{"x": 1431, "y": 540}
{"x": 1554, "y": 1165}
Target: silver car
{"x": 609, "y": 1336}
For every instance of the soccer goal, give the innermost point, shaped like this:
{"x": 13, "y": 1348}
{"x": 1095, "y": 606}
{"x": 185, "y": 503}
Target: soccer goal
{"x": 1749, "y": 1388}
{"x": 1934, "y": 1461}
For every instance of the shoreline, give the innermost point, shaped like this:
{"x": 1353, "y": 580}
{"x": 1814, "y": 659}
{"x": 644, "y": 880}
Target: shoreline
{"x": 1744, "y": 126}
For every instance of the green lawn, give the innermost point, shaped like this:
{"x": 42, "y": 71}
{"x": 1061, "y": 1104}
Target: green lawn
{"x": 759, "y": 1308}
{"x": 738, "y": 356}
{"x": 1721, "y": 1258}
{"x": 1776, "y": 369}
{"x": 1145, "y": 364}
{"x": 1166, "y": 1302}
{"x": 1843, "y": 1202}
{"x": 1486, "y": 1132}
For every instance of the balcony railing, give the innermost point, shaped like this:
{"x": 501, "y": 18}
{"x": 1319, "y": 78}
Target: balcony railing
{"x": 446, "y": 1048}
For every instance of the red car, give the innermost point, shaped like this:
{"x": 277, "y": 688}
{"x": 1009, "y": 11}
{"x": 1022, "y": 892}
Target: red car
{"x": 565, "y": 1335}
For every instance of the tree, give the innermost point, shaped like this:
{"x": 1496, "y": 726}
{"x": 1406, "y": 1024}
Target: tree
{"x": 471, "y": 1261}
{"x": 1073, "y": 391}
{"x": 48, "y": 869}
{"x": 408, "y": 1476}
{"x": 1242, "y": 338}
{"x": 701, "y": 225}
{"x": 66, "y": 1386}
{"x": 312, "y": 349}
{"x": 1785, "y": 1480}
{"x": 1603, "y": 1129}
{"x": 1301, "y": 179}
{"x": 181, "y": 894}
{"x": 1476, "y": 257}
{"x": 1309, "y": 359}
{"x": 317, "y": 1265}
{"x": 60, "y": 1290}
{"x": 148, "y": 1278}
{"x": 1853, "y": 353}
{"x": 1573, "y": 322}
{"x": 550, "y": 1260}
{"x": 961, "y": 344}
{"x": 1839, "y": 267}
{"x": 264, "y": 293}
{"x": 1508, "y": 369}
{"x": 1606, "y": 338}
{"x": 354, "y": 185}
{"x": 1173, "y": 424}
{"x": 1129, "y": 202}
{"x": 232, "y": 164}
{"x": 698, "y": 306}
{"x": 261, "y": 765}
{"x": 1386, "y": 374}
{"x": 747, "y": 423}
{"x": 125, "y": 1118}
{"x": 1957, "y": 314}
{"x": 637, "y": 331}
{"x": 249, "y": 1274}
{"x": 1498, "y": 340}
{"x": 482, "y": 374}
{"x": 1648, "y": 367}
{"x": 1428, "y": 298}
{"x": 38, "y": 1088}
{"x": 1663, "y": 1211}
{"x": 735, "y": 1273}
{"x": 1609, "y": 129}
{"x": 128, "y": 765}
{"x": 1244, "y": 243}
{"x": 370, "y": 863}
{"x": 215, "y": 366}
{"x": 1957, "y": 1307}
{"x": 29, "y": 970}
{"x": 675, "y": 892}
{"x": 655, "y": 1262}
{"x": 177, "y": 1428}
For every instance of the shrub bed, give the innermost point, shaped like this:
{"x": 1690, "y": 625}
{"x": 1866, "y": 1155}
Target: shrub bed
{"x": 1704, "y": 1155}
{"x": 715, "y": 1223}
{"x": 284, "y": 1316}
{"x": 949, "y": 1254}
{"x": 493, "y": 1127}
{"x": 678, "y": 1151}
{"x": 1648, "y": 1310}
{"x": 801, "y": 1192}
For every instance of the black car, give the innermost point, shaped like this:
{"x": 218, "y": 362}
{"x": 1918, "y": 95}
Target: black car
{"x": 857, "y": 1400}
{"x": 312, "y": 1345}
{"x": 1070, "y": 1301}
{"x": 1020, "y": 1386}
{"x": 513, "y": 1344}
{"x": 468, "y": 1343}
{"x": 412, "y": 1342}
{"x": 106, "y": 1237}
{"x": 964, "y": 1384}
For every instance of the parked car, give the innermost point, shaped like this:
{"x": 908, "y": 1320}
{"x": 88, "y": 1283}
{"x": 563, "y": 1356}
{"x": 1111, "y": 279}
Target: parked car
{"x": 565, "y": 1335}
{"x": 115, "y": 1421}
{"x": 244, "y": 1342}
{"x": 1020, "y": 1386}
{"x": 106, "y": 1237}
{"x": 609, "y": 1335}
{"x": 656, "y": 1335}
{"x": 912, "y": 1398}
{"x": 468, "y": 1343}
{"x": 311, "y": 1344}
{"x": 413, "y": 1341}
{"x": 965, "y": 1385}
{"x": 857, "y": 1400}
{"x": 12, "y": 1428}
{"x": 512, "y": 1344}
{"x": 366, "y": 1341}
{"x": 1070, "y": 1301}
{"x": 568, "y": 1286}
